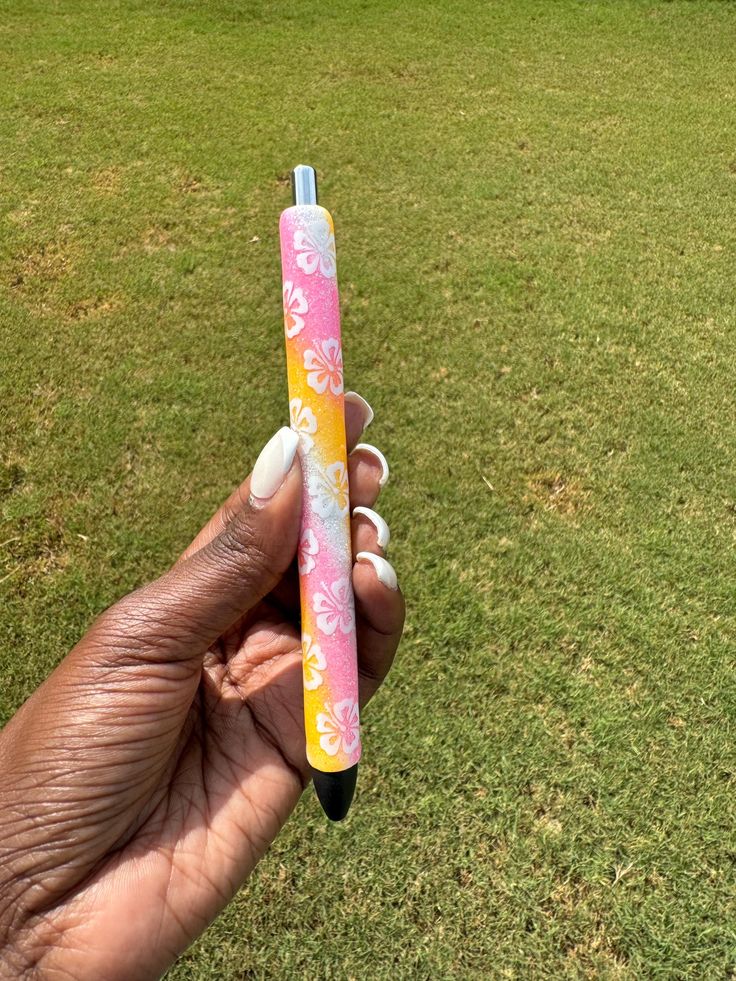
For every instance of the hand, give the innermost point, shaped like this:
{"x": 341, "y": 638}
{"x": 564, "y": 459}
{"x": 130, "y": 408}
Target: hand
{"x": 150, "y": 772}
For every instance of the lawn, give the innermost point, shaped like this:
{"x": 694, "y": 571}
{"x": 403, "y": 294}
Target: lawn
{"x": 534, "y": 209}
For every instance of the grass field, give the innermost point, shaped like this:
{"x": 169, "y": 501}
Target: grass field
{"x": 535, "y": 219}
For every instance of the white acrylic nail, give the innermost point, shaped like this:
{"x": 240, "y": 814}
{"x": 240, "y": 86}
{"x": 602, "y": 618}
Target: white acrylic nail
{"x": 384, "y": 569}
{"x": 383, "y": 535}
{"x": 367, "y": 448}
{"x": 363, "y": 405}
{"x": 273, "y": 463}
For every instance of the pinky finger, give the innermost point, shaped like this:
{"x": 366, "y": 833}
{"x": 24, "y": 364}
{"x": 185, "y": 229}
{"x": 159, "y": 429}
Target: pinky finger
{"x": 379, "y": 609}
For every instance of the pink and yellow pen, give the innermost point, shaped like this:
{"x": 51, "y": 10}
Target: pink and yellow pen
{"x": 316, "y": 407}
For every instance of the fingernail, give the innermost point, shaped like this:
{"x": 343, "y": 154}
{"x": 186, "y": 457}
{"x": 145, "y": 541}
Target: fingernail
{"x": 384, "y": 569}
{"x": 383, "y": 535}
{"x": 273, "y": 463}
{"x": 367, "y": 448}
{"x": 365, "y": 409}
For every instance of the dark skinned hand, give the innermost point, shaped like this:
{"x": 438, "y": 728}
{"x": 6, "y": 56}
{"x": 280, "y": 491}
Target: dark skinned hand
{"x": 143, "y": 781}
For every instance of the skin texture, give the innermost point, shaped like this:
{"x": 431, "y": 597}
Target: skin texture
{"x": 147, "y": 776}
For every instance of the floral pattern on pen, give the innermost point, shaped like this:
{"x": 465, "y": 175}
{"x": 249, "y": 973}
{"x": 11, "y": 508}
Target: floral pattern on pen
{"x": 324, "y": 557}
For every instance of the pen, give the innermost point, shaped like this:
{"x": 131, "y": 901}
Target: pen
{"x": 316, "y": 408}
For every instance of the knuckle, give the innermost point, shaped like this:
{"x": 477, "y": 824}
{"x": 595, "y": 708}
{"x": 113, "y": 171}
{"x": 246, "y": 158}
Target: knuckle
{"x": 227, "y": 514}
{"x": 246, "y": 548}
{"x": 135, "y": 629}
{"x": 131, "y": 617}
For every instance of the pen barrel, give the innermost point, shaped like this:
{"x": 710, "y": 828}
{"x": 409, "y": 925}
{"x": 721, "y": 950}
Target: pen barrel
{"x": 316, "y": 408}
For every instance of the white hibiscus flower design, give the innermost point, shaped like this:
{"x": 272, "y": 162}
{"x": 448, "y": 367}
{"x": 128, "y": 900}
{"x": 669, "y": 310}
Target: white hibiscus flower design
{"x": 329, "y": 490}
{"x": 340, "y": 727}
{"x": 303, "y": 422}
{"x": 295, "y": 303}
{"x": 325, "y": 366}
{"x": 312, "y": 664}
{"x": 316, "y": 248}
{"x": 335, "y": 607}
{"x": 308, "y": 548}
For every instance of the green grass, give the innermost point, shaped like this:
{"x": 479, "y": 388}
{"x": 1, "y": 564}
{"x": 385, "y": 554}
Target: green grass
{"x": 534, "y": 209}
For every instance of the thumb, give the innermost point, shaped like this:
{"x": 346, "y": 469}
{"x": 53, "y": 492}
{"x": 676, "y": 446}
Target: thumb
{"x": 179, "y": 615}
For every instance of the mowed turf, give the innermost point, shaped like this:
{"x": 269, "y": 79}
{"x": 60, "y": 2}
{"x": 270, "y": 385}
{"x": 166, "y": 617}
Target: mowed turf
{"x": 534, "y": 205}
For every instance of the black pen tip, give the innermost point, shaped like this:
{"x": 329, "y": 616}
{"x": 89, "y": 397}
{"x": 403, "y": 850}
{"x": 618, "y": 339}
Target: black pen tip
{"x": 335, "y": 791}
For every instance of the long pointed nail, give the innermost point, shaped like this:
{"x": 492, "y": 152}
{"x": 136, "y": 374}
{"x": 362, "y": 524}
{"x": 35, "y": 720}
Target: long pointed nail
{"x": 383, "y": 535}
{"x": 365, "y": 410}
{"x": 273, "y": 464}
{"x": 374, "y": 451}
{"x": 384, "y": 569}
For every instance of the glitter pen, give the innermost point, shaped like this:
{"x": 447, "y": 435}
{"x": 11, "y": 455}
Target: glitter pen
{"x": 316, "y": 409}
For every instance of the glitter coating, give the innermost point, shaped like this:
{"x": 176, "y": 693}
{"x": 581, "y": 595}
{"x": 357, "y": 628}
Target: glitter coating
{"x": 316, "y": 408}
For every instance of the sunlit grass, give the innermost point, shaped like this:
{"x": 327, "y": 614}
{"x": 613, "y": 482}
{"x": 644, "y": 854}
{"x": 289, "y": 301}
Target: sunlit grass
{"x": 534, "y": 211}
